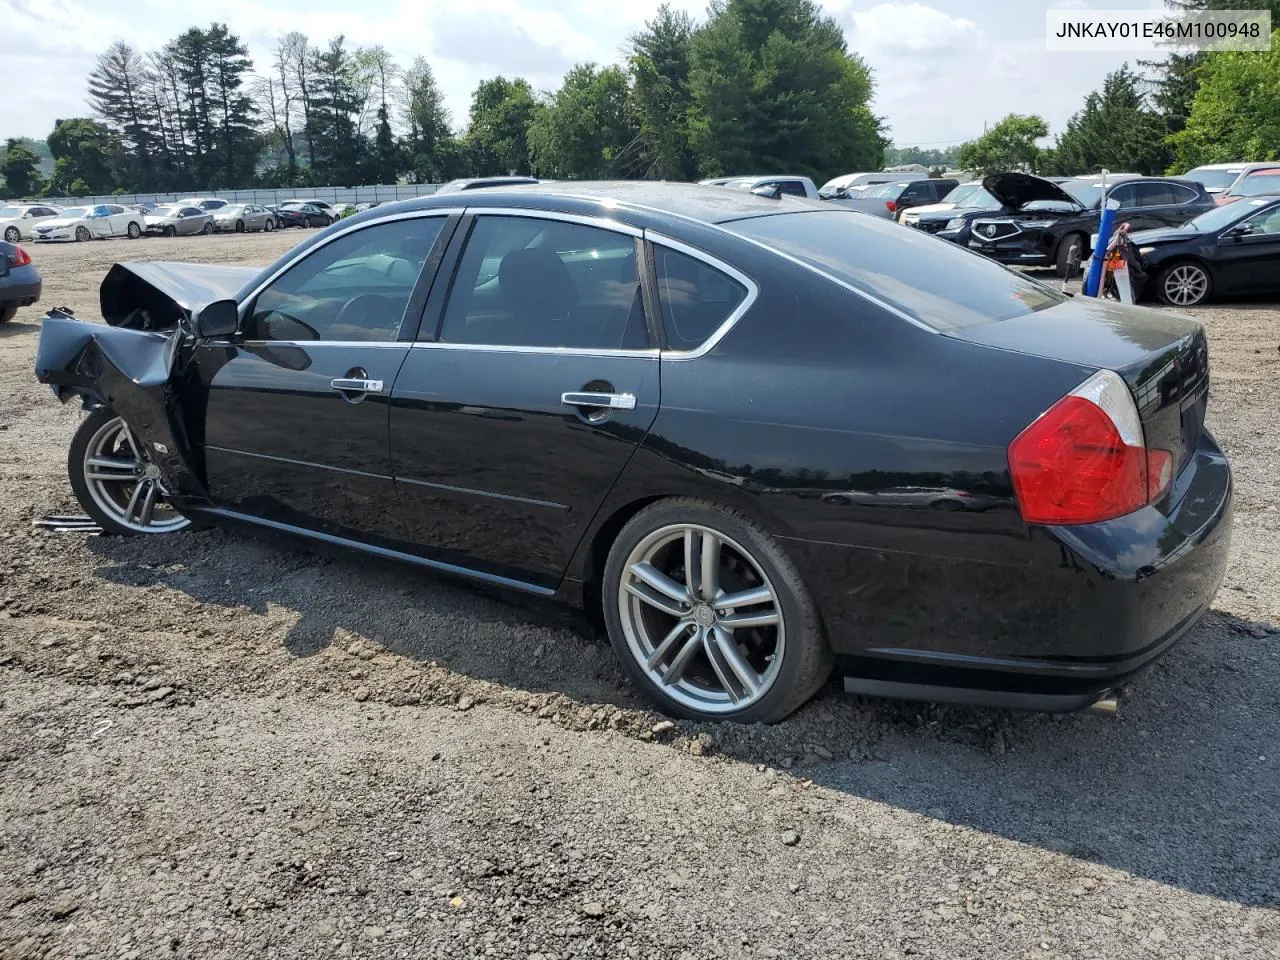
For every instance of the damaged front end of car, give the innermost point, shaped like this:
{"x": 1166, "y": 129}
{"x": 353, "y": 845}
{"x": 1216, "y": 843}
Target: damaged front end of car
{"x": 138, "y": 364}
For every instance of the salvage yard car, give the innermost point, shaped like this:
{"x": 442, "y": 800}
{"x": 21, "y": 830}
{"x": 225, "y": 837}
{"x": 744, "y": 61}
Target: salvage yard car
{"x": 242, "y": 217}
{"x": 1232, "y": 249}
{"x": 92, "y": 223}
{"x": 1050, "y": 225}
{"x": 641, "y": 397}
{"x": 20, "y": 281}
{"x": 887, "y": 200}
{"x": 178, "y": 221}
{"x": 18, "y": 222}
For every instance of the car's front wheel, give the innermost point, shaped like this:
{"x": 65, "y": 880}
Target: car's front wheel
{"x": 269, "y": 225}
{"x": 115, "y": 480}
{"x": 709, "y": 616}
{"x": 1070, "y": 254}
{"x": 207, "y": 229}
{"x": 134, "y": 230}
{"x": 13, "y": 235}
{"x": 82, "y": 234}
{"x": 1184, "y": 284}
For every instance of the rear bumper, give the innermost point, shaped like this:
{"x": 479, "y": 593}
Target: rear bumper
{"x": 21, "y": 288}
{"x": 1094, "y": 606}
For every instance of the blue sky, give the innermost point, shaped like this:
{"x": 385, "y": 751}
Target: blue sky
{"x": 942, "y": 67}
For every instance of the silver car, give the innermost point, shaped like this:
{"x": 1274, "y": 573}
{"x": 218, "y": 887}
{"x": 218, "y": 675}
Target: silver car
{"x": 173, "y": 221}
{"x": 242, "y": 217}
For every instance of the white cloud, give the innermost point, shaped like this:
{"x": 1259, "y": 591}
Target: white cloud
{"x": 913, "y": 29}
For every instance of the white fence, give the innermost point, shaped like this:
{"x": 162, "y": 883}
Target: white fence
{"x": 370, "y": 194}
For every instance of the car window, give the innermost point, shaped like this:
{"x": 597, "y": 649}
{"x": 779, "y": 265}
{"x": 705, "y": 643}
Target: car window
{"x": 1257, "y": 184}
{"x": 1126, "y": 195}
{"x": 793, "y": 188}
{"x": 1155, "y": 194}
{"x": 355, "y": 288}
{"x": 1265, "y": 224}
{"x": 191, "y": 211}
{"x": 938, "y": 284}
{"x": 696, "y": 298}
{"x": 532, "y": 282}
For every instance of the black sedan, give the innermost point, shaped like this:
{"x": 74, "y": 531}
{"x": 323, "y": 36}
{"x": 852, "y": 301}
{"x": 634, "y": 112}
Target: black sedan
{"x": 307, "y": 215}
{"x": 1051, "y": 224}
{"x": 1232, "y": 249}
{"x": 20, "y": 281}
{"x": 642, "y": 397}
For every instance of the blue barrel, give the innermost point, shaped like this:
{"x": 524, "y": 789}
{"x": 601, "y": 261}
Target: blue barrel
{"x": 1093, "y": 280}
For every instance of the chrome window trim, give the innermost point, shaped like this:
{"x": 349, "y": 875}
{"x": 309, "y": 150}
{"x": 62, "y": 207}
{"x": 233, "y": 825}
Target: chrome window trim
{"x": 586, "y": 220}
{"x": 305, "y": 344}
{"x": 648, "y": 353}
{"x": 729, "y": 322}
{"x": 351, "y": 228}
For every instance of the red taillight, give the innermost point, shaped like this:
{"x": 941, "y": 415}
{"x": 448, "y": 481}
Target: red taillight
{"x": 20, "y": 257}
{"x": 1084, "y": 460}
{"x": 890, "y": 205}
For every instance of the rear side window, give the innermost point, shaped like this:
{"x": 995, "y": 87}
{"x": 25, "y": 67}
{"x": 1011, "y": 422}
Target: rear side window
{"x": 938, "y": 284}
{"x": 1156, "y": 195}
{"x": 793, "y": 188}
{"x": 696, "y": 298}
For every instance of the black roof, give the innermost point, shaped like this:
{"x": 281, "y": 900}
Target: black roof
{"x": 686, "y": 200}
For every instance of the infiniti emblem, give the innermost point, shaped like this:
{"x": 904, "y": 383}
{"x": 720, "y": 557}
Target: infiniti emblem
{"x": 703, "y": 615}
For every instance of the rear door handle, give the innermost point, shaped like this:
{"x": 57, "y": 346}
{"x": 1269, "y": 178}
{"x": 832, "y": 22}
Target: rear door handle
{"x": 612, "y": 401}
{"x": 356, "y": 385}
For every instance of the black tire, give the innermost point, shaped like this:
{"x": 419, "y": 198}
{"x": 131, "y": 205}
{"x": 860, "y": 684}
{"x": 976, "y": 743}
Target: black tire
{"x": 807, "y": 658}
{"x": 7, "y": 313}
{"x": 239, "y": 226}
{"x": 13, "y": 235}
{"x": 1172, "y": 270}
{"x": 1070, "y": 249}
{"x": 170, "y": 231}
{"x": 134, "y": 231}
{"x": 269, "y": 225}
{"x": 84, "y": 434}
{"x": 83, "y": 234}
{"x": 306, "y": 222}
{"x": 207, "y": 229}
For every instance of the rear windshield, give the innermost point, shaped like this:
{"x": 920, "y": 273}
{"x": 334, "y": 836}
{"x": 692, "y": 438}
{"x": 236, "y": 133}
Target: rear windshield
{"x": 1214, "y": 178}
{"x": 1257, "y": 184}
{"x": 933, "y": 281}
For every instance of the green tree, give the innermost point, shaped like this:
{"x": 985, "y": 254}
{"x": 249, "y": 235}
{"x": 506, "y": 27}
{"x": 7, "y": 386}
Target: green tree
{"x": 1116, "y": 130}
{"x": 497, "y": 137}
{"x": 20, "y": 169}
{"x": 774, "y": 88}
{"x": 584, "y": 127}
{"x": 118, "y": 87}
{"x": 1009, "y": 145}
{"x": 659, "y": 65}
{"x": 430, "y": 144}
{"x": 83, "y": 150}
{"x": 336, "y": 102}
{"x": 898, "y": 156}
{"x": 1235, "y": 114}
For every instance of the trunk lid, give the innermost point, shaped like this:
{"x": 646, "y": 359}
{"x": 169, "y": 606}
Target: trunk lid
{"x": 1163, "y": 358}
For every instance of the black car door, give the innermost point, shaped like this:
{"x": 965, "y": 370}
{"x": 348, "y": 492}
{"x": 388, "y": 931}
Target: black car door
{"x": 295, "y": 418}
{"x": 1131, "y": 210}
{"x": 1250, "y": 260}
{"x": 509, "y": 427}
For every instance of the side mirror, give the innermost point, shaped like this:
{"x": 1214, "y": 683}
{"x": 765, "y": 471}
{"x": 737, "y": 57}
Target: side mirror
{"x": 217, "y": 319}
{"x": 1238, "y": 231}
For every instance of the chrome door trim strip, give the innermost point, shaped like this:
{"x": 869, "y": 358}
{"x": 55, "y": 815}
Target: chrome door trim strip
{"x": 471, "y": 492}
{"x": 647, "y": 353}
{"x": 310, "y": 465}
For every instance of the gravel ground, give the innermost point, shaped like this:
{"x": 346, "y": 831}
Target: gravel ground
{"x": 217, "y": 746}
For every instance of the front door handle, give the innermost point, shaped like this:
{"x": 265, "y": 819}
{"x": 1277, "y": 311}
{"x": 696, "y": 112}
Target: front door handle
{"x": 597, "y": 401}
{"x": 356, "y": 385}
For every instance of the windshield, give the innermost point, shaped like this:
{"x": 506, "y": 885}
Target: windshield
{"x": 163, "y": 212}
{"x": 233, "y": 208}
{"x": 939, "y": 284}
{"x": 1213, "y": 178}
{"x": 971, "y": 195}
{"x": 71, "y": 212}
{"x": 1257, "y": 183}
{"x": 1086, "y": 194}
{"x": 1227, "y": 214}
{"x": 292, "y": 206}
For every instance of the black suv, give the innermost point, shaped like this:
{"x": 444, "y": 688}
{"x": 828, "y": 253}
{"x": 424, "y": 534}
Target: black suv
{"x": 1051, "y": 224}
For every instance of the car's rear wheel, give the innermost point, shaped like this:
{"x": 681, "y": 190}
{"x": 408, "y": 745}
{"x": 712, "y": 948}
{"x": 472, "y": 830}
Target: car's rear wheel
{"x": 8, "y": 312}
{"x": 115, "y": 480}
{"x": 1184, "y": 284}
{"x": 1070, "y": 254}
{"x": 269, "y": 225}
{"x": 134, "y": 231}
{"x": 306, "y": 222}
{"x": 709, "y": 616}
{"x": 82, "y": 234}
{"x": 13, "y": 235}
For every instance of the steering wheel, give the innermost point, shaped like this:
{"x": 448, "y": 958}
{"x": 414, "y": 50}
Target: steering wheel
{"x": 363, "y": 310}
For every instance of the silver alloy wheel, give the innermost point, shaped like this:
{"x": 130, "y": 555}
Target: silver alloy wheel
{"x": 1185, "y": 285}
{"x": 82, "y": 234}
{"x": 125, "y": 484}
{"x": 701, "y": 618}
{"x": 13, "y": 235}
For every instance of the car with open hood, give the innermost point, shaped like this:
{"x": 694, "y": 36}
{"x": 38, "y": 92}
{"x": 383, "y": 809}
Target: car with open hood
{"x": 1231, "y": 249}
{"x": 1052, "y": 225}
{"x": 673, "y": 405}
{"x": 18, "y": 221}
{"x": 93, "y": 222}
{"x": 176, "y": 220}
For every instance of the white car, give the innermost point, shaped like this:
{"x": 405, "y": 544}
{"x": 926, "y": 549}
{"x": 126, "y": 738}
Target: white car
{"x": 969, "y": 195}
{"x": 18, "y": 222}
{"x": 95, "y": 222}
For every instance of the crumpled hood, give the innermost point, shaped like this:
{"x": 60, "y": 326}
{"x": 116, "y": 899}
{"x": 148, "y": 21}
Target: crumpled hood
{"x": 168, "y": 290}
{"x": 1015, "y": 190}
